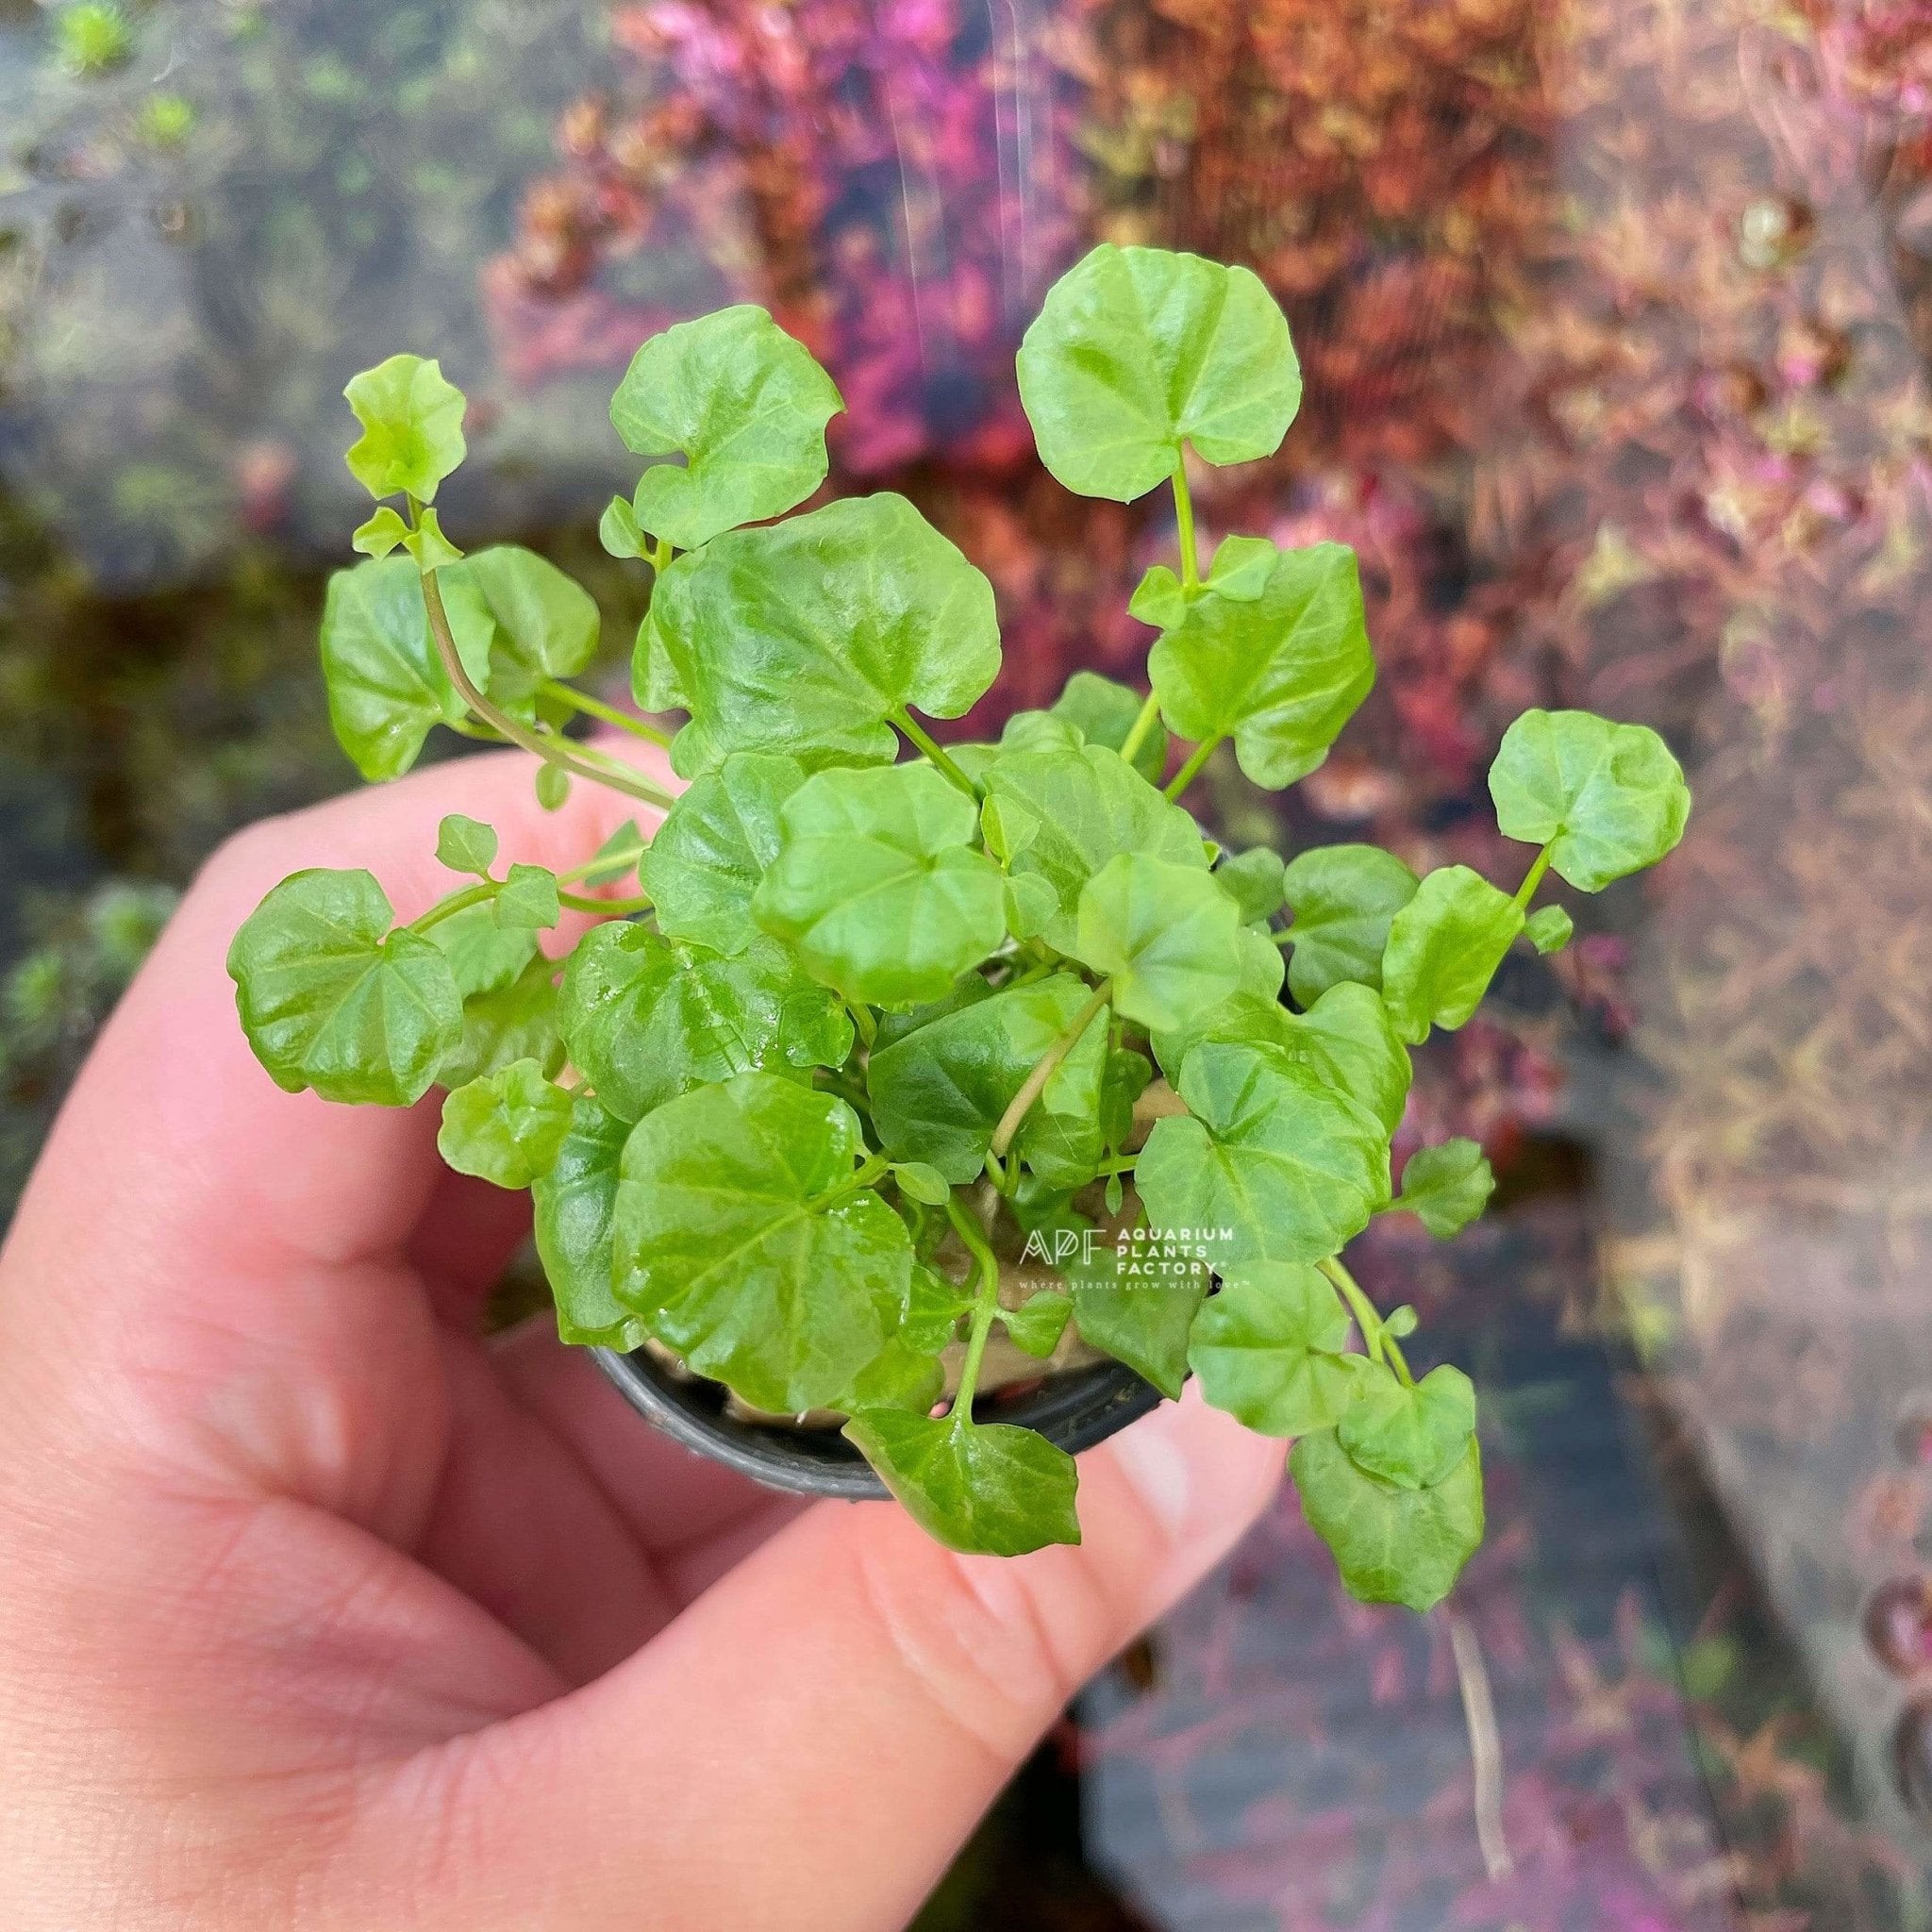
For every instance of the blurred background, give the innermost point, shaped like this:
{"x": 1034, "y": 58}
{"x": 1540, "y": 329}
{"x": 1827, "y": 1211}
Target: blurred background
{"x": 1614, "y": 316}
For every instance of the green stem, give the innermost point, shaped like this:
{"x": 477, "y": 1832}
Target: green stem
{"x": 1143, "y": 723}
{"x": 1534, "y": 877}
{"x": 868, "y": 1028}
{"x": 457, "y": 901}
{"x": 660, "y": 554}
{"x": 1043, "y": 1070}
{"x": 552, "y": 750}
{"x": 923, "y": 741}
{"x": 1119, "y": 1163}
{"x": 613, "y": 908}
{"x": 596, "y": 708}
{"x": 1189, "y": 772}
{"x": 1184, "y": 518}
{"x": 984, "y": 1308}
{"x": 1286, "y": 937}
{"x": 1375, "y": 1336}
{"x": 860, "y": 1177}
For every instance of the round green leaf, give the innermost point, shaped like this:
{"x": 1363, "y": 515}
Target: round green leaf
{"x": 938, "y": 1089}
{"x": 331, "y": 998}
{"x": 574, "y": 1206}
{"x": 806, "y": 636}
{"x": 740, "y": 1239}
{"x": 1607, "y": 799}
{"x": 386, "y": 685}
{"x": 1413, "y": 1437}
{"x": 465, "y": 845}
{"x": 1138, "y": 350}
{"x": 1254, "y": 879}
{"x": 745, "y": 403}
{"x": 1280, "y": 674}
{"x": 1392, "y": 1545}
{"x": 506, "y": 1127}
{"x": 1446, "y": 1187}
{"x": 919, "y": 1180}
{"x": 1268, "y": 1349}
{"x": 1089, "y": 807}
{"x": 1105, "y": 712}
{"x": 541, "y": 623}
{"x": 515, "y": 1020}
{"x": 1443, "y": 949}
{"x": 483, "y": 955}
{"x": 1549, "y": 929}
{"x": 527, "y": 901}
{"x": 1035, "y": 1327}
{"x": 648, "y": 1018}
{"x": 412, "y": 427}
{"x": 1342, "y": 898}
{"x": 1167, "y": 936}
{"x": 712, "y": 849}
{"x": 1271, "y": 1163}
{"x": 877, "y": 886}
{"x": 988, "y": 1487}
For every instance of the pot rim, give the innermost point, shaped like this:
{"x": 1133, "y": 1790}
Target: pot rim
{"x": 1073, "y": 1412}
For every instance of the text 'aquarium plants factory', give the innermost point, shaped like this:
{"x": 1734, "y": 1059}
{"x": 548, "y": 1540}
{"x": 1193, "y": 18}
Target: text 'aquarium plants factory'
{"x": 936, "y": 1104}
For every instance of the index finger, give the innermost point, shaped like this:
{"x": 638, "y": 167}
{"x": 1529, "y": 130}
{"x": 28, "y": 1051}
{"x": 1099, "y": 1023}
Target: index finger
{"x": 176, "y": 1166}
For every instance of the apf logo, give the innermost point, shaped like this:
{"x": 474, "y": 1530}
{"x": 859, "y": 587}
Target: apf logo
{"x": 1173, "y": 1253}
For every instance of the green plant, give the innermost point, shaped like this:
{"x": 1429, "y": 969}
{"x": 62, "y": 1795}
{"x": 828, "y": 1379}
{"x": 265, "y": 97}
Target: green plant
{"x": 92, "y": 37}
{"x": 864, "y": 1066}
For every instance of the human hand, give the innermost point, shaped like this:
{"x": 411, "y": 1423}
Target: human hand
{"x": 319, "y": 1610}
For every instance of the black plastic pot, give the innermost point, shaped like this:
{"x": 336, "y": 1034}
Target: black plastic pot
{"x": 1073, "y": 1412}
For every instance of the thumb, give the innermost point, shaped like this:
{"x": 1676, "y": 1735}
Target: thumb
{"x": 810, "y": 1743}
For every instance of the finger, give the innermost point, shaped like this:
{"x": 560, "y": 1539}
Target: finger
{"x": 850, "y": 1679}
{"x": 670, "y": 1498}
{"x": 183, "y": 1198}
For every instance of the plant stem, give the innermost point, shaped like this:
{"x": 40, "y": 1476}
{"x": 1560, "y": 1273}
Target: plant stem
{"x": 1534, "y": 877}
{"x": 614, "y": 909}
{"x": 1034, "y": 1083}
{"x": 1189, "y": 772}
{"x": 1375, "y": 1336}
{"x": 552, "y": 750}
{"x": 596, "y": 708}
{"x": 1184, "y": 518}
{"x": 860, "y": 1177}
{"x": 457, "y": 901}
{"x": 924, "y": 743}
{"x": 862, "y": 1021}
{"x": 984, "y": 1308}
{"x": 1143, "y": 723}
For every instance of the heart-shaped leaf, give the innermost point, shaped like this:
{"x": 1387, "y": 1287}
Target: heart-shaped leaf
{"x": 331, "y": 998}
{"x": 506, "y": 1127}
{"x": 879, "y": 886}
{"x": 1136, "y": 351}
{"x": 1443, "y": 949}
{"x": 1280, "y": 674}
{"x": 742, "y": 1238}
{"x": 543, "y": 623}
{"x": 1089, "y": 807}
{"x": 386, "y": 685}
{"x": 938, "y": 1089}
{"x": 1103, "y": 713}
{"x": 1412, "y": 1436}
{"x": 648, "y": 1018}
{"x": 1343, "y": 898}
{"x": 988, "y": 1487}
{"x": 1255, "y": 879}
{"x": 1268, "y": 1349}
{"x": 807, "y": 636}
{"x": 1167, "y": 937}
{"x": 412, "y": 427}
{"x": 712, "y": 849}
{"x": 1448, "y": 1186}
{"x": 1392, "y": 1545}
{"x": 745, "y": 403}
{"x": 574, "y": 1204}
{"x": 1272, "y": 1162}
{"x": 1607, "y": 799}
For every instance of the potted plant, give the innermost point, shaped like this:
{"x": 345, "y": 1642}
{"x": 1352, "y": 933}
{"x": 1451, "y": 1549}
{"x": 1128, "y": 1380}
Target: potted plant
{"x": 900, "y": 1057}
